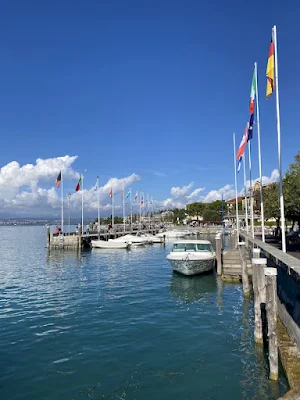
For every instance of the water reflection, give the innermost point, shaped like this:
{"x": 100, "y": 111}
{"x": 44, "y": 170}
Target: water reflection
{"x": 191, "y": 289}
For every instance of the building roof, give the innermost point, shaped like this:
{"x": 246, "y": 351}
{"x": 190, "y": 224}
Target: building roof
{"x": 232, "y": 201}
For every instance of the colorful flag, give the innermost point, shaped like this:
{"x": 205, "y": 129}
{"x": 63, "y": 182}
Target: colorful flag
{"x": 270, "y": 70}
{"x": 128, "y": 194}
{"x": 135, "y": 197}
{"x": 250, "y": 128}
{"x": 58, "y": 180}
{"x": 78, "y": 186}
{"x": 252, "y": 94}
{"x": 142, "y": 200}
{"x": 111, "y": 193}
{"x": 243, "y": 143}
{"x": 239, "y": 164}
{"x": 96, "y": 185}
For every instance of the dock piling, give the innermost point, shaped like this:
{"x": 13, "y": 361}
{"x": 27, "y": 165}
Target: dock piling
{"x": 48, "y": 236}
{"x": 259, "y": 289}
{"x": 245, "y": 278}
{"x": 219, "y": 253}
{"x": 271, "y": 307}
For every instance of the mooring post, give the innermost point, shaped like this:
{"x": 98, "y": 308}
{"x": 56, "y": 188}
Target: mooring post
{"x": 219, "y": 253}
{"x": 48, "y": 236}
{"x": 271, "y": 307}
{"x": 79, "y": 237}
{"x": 259, "y": 290}
{"x": 256, "y": 253}
{"x": 245, "y": 278}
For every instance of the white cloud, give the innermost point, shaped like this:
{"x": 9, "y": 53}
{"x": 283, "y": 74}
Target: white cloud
{"x": 195, "y": 193}
{"x": 227, "y": 191}
{"x": 181, "y": 191}
{"x": 22, "y": 191}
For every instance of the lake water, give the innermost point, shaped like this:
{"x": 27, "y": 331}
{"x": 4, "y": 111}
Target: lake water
{"x": 120, "y": 325}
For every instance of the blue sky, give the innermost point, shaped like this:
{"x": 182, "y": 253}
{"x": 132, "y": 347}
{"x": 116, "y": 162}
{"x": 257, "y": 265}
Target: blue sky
{"x": 152, "y": 88}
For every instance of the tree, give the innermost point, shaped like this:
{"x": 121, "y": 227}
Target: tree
{"x": 195, "y": 208}
{"x": 291, "y": 189}
{"x": 271, "y": 202}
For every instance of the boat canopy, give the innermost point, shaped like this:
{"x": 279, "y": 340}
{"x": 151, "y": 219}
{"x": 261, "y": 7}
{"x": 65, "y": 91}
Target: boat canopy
{"x": 186, "y": 246}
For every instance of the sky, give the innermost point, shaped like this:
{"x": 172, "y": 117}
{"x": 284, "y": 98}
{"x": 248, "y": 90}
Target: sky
{"x": 143, "y": 94}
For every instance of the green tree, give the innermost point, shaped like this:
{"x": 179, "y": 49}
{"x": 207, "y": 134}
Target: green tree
{"x": 195, "y": 208}
{"x": 291, "y": 189}
{"x": 271, "y": 201}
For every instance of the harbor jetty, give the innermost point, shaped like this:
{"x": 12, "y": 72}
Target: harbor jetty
{"x": 275, "y": 278}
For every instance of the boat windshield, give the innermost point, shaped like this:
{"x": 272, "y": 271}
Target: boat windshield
{"x": 191, "y": 247}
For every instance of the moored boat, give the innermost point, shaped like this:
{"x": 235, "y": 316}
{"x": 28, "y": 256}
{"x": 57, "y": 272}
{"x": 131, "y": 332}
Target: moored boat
{"x": 103, "y": 244}
{"x": 132, "y": 239}
{"x": 192, "y": 257}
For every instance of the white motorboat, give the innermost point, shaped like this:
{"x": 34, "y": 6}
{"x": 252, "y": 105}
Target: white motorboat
{"x": 192, "y": 257}
{"x": 103, "y": 244}
{"x": 131, "y": 239}
{"x": 152, "y": 238}
{"x": 172, "y": 234}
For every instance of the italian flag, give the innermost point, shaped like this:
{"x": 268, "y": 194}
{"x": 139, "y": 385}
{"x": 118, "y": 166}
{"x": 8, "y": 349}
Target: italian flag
{"x": 252, "y": 94}
{"x": 78, "y": 186}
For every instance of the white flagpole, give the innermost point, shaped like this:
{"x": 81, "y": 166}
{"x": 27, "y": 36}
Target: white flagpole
{"x": 69, "y": 203}
{"x": 246, "y": 197}
{"x": 262, "y": 215}
{"x": 236, "y": 192}
{"x": 130, "y": 209}
{"x": 148, "y": 209}
{"x": 274, "y": 31}
{"x": 112, "y": 208}
{"x": 98, "y": 201}
{"x": 140, "y": 210}
{"x": 123, "y": 199}
{"x": 251, "y": 189}
{"x": 82, "y": 228}
{"x": 62, "y": 203}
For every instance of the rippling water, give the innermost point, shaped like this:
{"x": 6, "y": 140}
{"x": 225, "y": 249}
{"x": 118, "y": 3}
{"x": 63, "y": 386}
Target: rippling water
{"x": 120, "y": 325}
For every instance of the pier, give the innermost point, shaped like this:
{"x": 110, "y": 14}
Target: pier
{"x": 275, "y": 278}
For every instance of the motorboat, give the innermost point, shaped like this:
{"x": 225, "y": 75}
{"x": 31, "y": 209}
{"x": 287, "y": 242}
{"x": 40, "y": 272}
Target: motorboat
{"x": 192, "y": 257}
{"x": 104, "y": 244}
{"x": 131, "y": 239}
{"x": 152, "y": 238}
{"x": 172, "y": 234}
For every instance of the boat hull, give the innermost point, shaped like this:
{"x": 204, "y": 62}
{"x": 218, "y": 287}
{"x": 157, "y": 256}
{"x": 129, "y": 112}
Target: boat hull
{"x": 102, "y": 244}
{"x": 192, "y": 267}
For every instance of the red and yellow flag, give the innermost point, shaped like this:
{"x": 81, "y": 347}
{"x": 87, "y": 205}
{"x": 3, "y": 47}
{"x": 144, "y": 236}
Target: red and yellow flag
{"x": 270, "y": 71}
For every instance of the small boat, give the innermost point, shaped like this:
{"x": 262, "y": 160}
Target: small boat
{"x": 172, "y": 234}
{"x": 132, "y": 239}
{"x": 151, "y": 238}
{"x": 192, "y": 257}
{"x": 103, "y": 244}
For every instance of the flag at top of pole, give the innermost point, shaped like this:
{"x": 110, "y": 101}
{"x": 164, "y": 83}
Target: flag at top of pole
{"x": 128, "y": 194}
{"x": 243, "y": 144}
{"x": 111, "y": 193}
{"x": 252, "y": 94}
{"x": 135, "y": 197}
{"x": 270, "y": 70}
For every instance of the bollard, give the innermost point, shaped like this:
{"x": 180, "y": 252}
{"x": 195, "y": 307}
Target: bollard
{"x": 271, "y": 307}
{"x": 219, "y": 253}
{"x": 245, "y": 279}
{"x": 256, "y": 253}
{"x": 258, "y": 279}
{"x": 79, "y": 237}
{"x": 48, "y": 236}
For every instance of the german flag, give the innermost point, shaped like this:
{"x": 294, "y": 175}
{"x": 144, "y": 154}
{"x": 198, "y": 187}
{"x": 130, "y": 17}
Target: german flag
{"x": 270, "y": 71}
{"x": 58, "y": 180}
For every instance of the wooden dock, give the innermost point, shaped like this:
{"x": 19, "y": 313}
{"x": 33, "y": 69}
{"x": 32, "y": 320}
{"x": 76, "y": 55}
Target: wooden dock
{"x": 232, "y": 266}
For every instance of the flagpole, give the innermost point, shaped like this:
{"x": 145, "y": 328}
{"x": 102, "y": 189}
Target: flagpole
{"x": 262, "y": 215}
{"x": 246, "y": 197}
{"x": 82, "y": 228}
{"x": 251, "y": 191}
{"x": 274, "y": 30}
{"x": 130, "y": 209}
{"x": 140, "y": 210}
{"x": 69, "y": 198}
{"x": 124, "y": 227}
{"x": 236, "y": 192}
{"x": 62, "y": 203}
{"x": 112, "y": 209}
{"x": 98, "y": 205}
